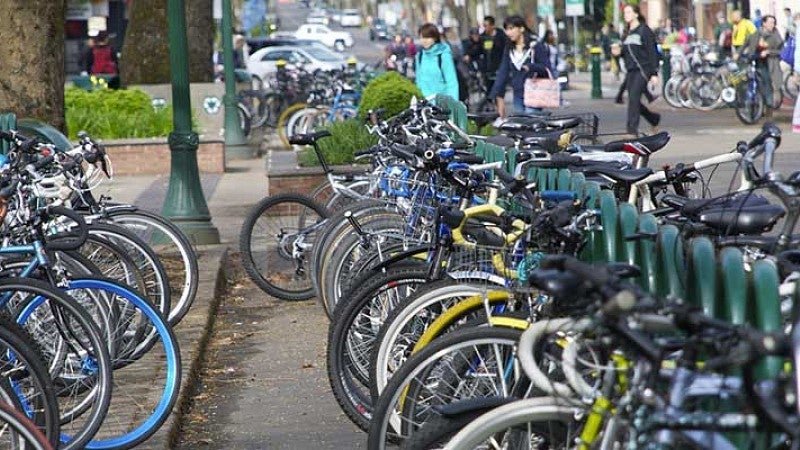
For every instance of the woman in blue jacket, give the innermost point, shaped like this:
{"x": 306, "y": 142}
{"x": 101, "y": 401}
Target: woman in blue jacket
{"x": 435, "y": 70}
{"x": 521, "y": 60}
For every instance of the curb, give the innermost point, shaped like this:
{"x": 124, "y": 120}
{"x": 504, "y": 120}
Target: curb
{"x": 206, "y": 313}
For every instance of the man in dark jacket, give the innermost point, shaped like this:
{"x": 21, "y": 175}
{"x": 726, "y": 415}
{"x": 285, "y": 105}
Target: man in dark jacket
{"x": 494, "y": 44}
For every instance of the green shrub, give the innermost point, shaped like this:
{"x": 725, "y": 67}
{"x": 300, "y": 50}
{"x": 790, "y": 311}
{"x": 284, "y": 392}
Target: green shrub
{"x": 487, "y": 130}
{"x": 390, "y": 91}
{"x": 347, "y": 137}
{"x": 114, "y": 114}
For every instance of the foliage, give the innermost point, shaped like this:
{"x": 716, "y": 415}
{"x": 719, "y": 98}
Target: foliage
{"x": 112, "y": 114}
{"x": 390, "y": 91}
{"x": 346, "y": 138}
{"x": 487, "y": 130}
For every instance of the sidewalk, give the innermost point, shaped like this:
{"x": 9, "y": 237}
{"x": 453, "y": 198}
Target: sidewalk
{"x": 229, "y": 197}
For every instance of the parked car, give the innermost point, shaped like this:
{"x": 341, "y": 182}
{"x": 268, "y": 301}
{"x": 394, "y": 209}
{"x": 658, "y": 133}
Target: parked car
{"x": 350, "y": 18}
{"x": 256, "y": 44}
{"x": 262, "y": 63}
{"x": 335, "y": 15}
{"x": 317, "y": 17}
{"x": 379, "y": 30}
{"x": 337, "y": 40}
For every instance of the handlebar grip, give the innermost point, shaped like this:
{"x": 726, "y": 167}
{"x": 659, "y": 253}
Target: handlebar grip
{"x": 469, "y": 159}
{"x": 68, "y": 241}
{"x": 366, "y": 151}
{"x": 770, "y": 145}
{"x": 769, "y": 130}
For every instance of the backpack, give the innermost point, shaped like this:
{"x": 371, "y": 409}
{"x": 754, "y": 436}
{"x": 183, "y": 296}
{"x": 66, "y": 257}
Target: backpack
{"x": 102, "y": 60}
{"x": 787, "y": 54}
{"x": 463, "y": 80}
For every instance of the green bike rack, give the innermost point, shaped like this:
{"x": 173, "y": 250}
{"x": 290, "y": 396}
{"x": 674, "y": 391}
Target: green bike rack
{"x": 609, "y": 218}
{"x": 44, "y": 132}
{"x": 563, "y": 178}
{"x": 511, "y": 159}
{"x": 669, "y": 248}
{"x": 734, "y": 286}
{"x": 628, "y": 221}
{"x": 552, "y": 179}
{"x": 541, "y": 179}
{"x": 765, "y": 312}
{"x": 702, "y": 279}
{"x": 576, "y": 182}
{"x": 458, "y": 111}
{"x": 646, "y": 257}
{"x": 8, "y": 122}
{"x": 593, "y": 250}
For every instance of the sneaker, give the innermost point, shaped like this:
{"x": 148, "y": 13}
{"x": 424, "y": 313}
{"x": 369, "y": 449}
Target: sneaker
{"x": 618, "y": 101}
{"x": 497, "y": 122}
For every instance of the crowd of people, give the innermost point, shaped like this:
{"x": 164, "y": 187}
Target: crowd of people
{"x": 500, "y": 56}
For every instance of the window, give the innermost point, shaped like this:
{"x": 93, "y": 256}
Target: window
{"x": 277, "y": 54}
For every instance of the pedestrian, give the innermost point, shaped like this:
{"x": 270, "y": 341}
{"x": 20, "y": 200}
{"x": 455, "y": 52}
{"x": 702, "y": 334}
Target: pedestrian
{"x": 723, "y": 32}
{"x": 742, "y": 30}
{"x": 473, "y": 49}
{"x": 435, "y": 69}
{"x": 549, "y": 41}
{"x": 411, "y": 47}
{"x": 641, "y": 62}
{"x": 522, "y": 59}
{"x": 796, "y": 74}
{"x": 494, "y": 44}
{"x": 101, "y": 58}
{"x": 758, "y": 21}
{"x": 788, "y": 21}
{"x": 769, "y": 63}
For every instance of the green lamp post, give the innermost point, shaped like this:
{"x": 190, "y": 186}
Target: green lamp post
{"x": 235, "y": 142}
{"x": 185, "y": 203}
{"x": 597, "y": 89}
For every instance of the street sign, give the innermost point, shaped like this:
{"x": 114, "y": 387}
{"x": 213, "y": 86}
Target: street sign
{"x": 545, "y": 8}
{"x": 575, "y": 8}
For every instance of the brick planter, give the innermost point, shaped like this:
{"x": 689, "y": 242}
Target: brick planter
{"x": 152, "y": 156}
{"x": 301, "y": 180}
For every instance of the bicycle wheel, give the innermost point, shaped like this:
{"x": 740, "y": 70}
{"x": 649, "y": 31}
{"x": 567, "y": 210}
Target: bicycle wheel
{"x": 138, "y": 408}
{"x": 467, "y": 363}
{"x": 282, "y": 121}
{"x": 276, "y": 242}
{"x": 273, "y": 107}
{"x": 352, "y": 333}
{"x": 749, "y": 102}
{"x": 173, "y": 249}
{"x": 683, "y": 90}
{"x": 671, "y": 91}
{"x": 546, "y": 421}
{"x": 706, "y": 92}
{"x": 75, "y": 350}
{"x": 18, "y": 432}
{"x": 245, "y": 121}
{"x": 253, "y": 100}
{"x": 791, "y": 86}
{"x": 401, "y": 331}
{"x": 26, "y": 384}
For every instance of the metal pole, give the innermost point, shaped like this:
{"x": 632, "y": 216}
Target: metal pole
{"x": 616, "y": 16}
{"x": 575, "y": 45}
{"x": 185, "y": 203}
{"x": 235, "y": 140}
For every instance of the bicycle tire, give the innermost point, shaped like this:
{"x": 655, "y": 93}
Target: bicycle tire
{"x": 266, "y": 274}
{"x": 671, "y": 91}
{"x": 749, "y": 110}
{"x": 245, "y": 123}
{"x": 280, "y": 125}
{"x": 158, "y": 232}
{"x": 514, "y": 415}
{"x": 406, "y": 387}
{"x": 790, "y": 86}
{"x": 347, "y": 372}
{"x": 22, "y": 431}
{"x": 417, "y": 315}
{"x": 40, "y": 294}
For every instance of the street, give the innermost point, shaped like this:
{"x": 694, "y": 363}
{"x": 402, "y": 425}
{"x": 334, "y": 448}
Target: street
{"x": 264, "y": 384}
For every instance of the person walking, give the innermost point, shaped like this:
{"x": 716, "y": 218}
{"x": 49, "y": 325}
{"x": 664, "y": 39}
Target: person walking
{"x": 521, "y": 60}
{"x": 742, "y": 30}
{"x": 723, "y": 32}
{"x": 788, "y": 21}
{"x": 101, "y": 58}
{"x": 494, "y": 44}
{"x": 435, "y": 69}
{"x": 769, "y": 63}
{"x": 641, "y": 61}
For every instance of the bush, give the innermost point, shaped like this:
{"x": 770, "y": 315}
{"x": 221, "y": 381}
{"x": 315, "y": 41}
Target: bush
{"x": 114, "y": 114}
{"x": 390, "y": 91}
{"x": 347, "y": 137}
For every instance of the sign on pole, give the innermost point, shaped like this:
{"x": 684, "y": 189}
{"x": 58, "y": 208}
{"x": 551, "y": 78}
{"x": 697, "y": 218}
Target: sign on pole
{"x": 545, "y": 8}
{"x": 575, "y": 8}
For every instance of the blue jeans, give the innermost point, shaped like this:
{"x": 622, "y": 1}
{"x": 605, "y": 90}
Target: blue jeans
{"x": 520, "y": 108}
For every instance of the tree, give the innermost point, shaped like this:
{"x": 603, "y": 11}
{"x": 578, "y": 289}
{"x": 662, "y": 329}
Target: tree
{"x": 32, "y": 51}
{"x": 199, "y": 31}
{"x": 145, "y": 54}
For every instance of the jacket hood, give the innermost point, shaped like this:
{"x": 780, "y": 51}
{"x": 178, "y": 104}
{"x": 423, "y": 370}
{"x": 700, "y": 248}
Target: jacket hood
{"x": 438, "y": 48}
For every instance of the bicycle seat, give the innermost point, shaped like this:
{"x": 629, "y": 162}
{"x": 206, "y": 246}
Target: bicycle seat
{"x": 482, "y": 119}
{"x": 645, "y": 145}
{"x": 693, "y": 207}
{"x": 548, "y": 140}
{"x": 623, "y": 175}
{"x": 564, "y": 122}
{"x": 745, "y": 220}
{"x": 308, "y": 139}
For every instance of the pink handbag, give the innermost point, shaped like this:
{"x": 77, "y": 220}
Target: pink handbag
{"x": 542, "y": 92}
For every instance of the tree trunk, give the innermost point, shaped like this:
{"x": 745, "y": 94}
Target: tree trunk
{"x": 200, "y": 32}
{"x": 145, "y": 54}
{"x": 32, "y": 51}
